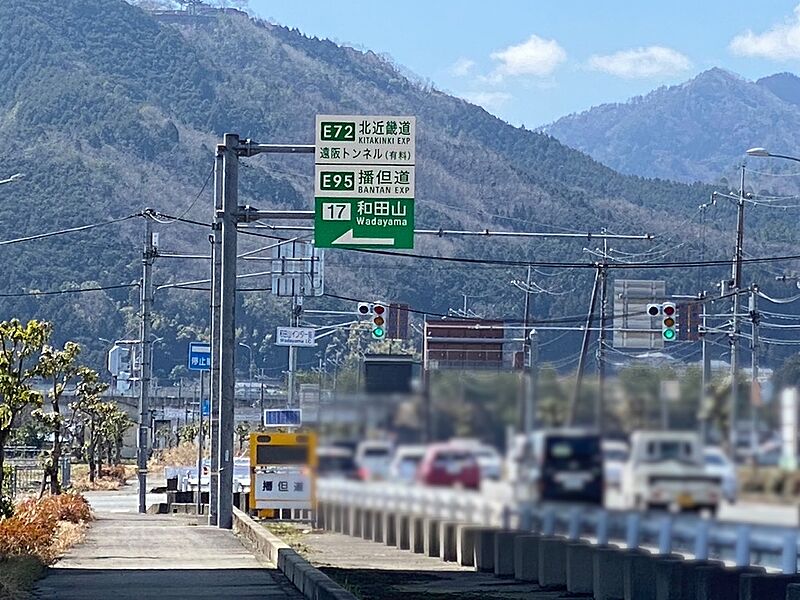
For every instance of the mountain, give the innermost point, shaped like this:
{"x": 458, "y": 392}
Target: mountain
{"x": 110, "y": 109}
{"x": 696, "y": 131}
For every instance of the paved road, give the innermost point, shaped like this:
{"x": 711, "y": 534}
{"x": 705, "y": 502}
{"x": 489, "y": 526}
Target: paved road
{"x": 128, "y": 556}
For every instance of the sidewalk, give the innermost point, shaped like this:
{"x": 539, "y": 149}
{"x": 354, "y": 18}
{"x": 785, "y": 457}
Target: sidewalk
{"x": 129, "y": 556}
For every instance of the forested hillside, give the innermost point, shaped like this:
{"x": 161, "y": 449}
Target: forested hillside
{"x": 108, "y": 111}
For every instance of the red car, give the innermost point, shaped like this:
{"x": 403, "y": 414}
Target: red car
{"x": 451, "y": 466}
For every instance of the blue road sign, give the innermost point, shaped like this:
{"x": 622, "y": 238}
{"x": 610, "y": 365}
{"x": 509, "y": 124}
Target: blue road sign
{"x": 283, "y": 417}
{"x": 206, "y": 407}
{"x": 199, "y": 356}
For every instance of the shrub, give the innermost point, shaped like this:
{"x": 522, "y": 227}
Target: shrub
{"x": 68, "y": 507}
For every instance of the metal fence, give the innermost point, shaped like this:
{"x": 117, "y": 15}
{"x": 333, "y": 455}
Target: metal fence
{"x": 741, "y": 543}
{"x": 26, "y": 476}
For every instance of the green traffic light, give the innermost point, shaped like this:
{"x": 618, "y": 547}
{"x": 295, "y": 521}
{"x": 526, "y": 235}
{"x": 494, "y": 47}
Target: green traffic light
{"x": 378, "y": 332}
{"x": 669, "y": 334}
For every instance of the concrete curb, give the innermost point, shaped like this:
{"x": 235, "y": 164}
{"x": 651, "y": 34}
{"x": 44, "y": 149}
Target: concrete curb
{"x": 309, "y": 580}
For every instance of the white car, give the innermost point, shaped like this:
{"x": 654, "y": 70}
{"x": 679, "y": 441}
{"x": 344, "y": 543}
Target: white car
{"x": 719, "y": 465}
{"x": 373, "y": 458}
{"x": 406, "y": 462}
{"x": 489, "y": 459}
{"x": 615, "y": 455}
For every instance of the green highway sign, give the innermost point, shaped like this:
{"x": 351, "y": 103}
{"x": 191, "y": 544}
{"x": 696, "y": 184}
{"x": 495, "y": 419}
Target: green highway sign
{"x": 364, "y": 222}
{"x": 364, "y": 181}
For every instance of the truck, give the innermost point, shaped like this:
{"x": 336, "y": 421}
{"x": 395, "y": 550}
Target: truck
{"x": 666, "y": 470}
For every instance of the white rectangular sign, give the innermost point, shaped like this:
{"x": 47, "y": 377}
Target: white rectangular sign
{"x": 282, "y": 489}
{"x": 295, "y": 336}
{"x": 359, "y": 181}
{"x": 365, "y": 140}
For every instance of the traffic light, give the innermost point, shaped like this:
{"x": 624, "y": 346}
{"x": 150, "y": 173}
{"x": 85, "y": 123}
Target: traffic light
{"x": 364, "y": 309}
{"x": 668, "y": 315}
{"x": 378, "y": 321}
{"x": 653, "y": 310}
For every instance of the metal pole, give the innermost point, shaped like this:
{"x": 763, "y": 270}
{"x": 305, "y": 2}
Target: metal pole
{"x": 147, "y": 354}
{"x": 600, "y": 407}
{"x": 216, "y": 270}
{"x": 734, "y": 339}
{"x": 199, "y": 501}
{"x": 755, "y": 391}
{"x": 297, "y": 306}
{"x": 227, "y": 329}
{"x": 573, "y": 405}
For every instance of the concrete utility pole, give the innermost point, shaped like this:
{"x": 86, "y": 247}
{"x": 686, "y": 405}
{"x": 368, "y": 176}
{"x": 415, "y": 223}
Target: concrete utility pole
{"x": 216, "y": 267}
{"x": 527, "y": 400}
{"x": 297, "y": 309}
{"x": 600, "y": 407}
{"x": 142, "y": 453}
{"x": 755, "y": 386}
{"x": 227, "y": 327}
{"x": 587, "y": 332}
{"x": 533, "y": 378}
{"x": 706, "y": 374}
{"x": 734, "y": 338}
{"x": 199, "y": 498}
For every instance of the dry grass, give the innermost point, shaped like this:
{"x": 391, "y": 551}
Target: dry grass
{"x": 17, "y": 576}
{"x": 113, "y": 478}
{"x": 184, "y": 454}
{"x": 39, "y": 532}
{"x": 291, "y": 534}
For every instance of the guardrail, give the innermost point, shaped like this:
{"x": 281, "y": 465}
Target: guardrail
{"x": 701, "y": 538}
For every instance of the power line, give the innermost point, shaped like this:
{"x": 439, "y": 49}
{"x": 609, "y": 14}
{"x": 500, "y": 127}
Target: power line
{"x": 73, "y": 291}
{"x": 41, "y": 236}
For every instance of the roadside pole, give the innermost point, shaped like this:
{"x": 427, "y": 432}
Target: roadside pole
{"x": 734, "y": 336}
{"x": 755, "y": 389}
{"x": 706, "y": 376}
{"x": 600, "y": 407}
{"x": 216, "y": 266}
{"x": 147, "y": 354}
{"x": 199, "y": 501}
{"x": 587, "y": 332}
{"x": 533, "y": 378}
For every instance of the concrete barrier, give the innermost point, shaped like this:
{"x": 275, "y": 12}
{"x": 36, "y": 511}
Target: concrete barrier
{"x": 417, "y": 535}
{"x": 310, "y": 581}
{"x": 689, "y": 575}
{"x": 638, "y": 577}
{"x": 793, "y": 591}
{"x": 484, "y": 549}
{"x": 377, "y": 526}
{"x": 580, "y": 568}
{"x": 355, "y": 521}
{"x": 669, "y": 577}
{"x": 465, "y": 550}
{"x": 338, "y": 518}
{"x": 448, "y": 541}
{"x": 403, "y": 524}
{"x": 367, "y": 519}
{"x": 433, "y": 536}
{"x": 390, "y": 528}
{"x": 504, "y": 544}
{"x": 608, "y": 570}
{"x": 553, "y": 562}
{"x": 754, "y": 586}
{"x": 526, "y": 557}
{"x": 714, "y": 583}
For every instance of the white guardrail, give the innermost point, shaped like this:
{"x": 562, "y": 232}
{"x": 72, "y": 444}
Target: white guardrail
{"x": 742, "y": 544}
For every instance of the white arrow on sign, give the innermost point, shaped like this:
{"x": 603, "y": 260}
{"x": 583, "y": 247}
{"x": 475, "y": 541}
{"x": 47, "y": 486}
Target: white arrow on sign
{"x": 348, "y": 238}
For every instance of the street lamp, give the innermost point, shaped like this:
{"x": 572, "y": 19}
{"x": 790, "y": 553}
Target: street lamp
{"x": 13, "y": 178}
{"x": 763, "y": 153}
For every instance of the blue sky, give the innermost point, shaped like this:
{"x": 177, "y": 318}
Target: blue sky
{"x": 531, "y": 62}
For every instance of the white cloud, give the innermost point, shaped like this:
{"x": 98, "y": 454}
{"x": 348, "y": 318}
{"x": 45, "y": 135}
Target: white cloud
{"x": 537, "y": 56}
{"x": 488, "y": 100}
{"x": 653, "y": 61}
{"x": 462, "y": 67}
{"x": 781, "y": 42}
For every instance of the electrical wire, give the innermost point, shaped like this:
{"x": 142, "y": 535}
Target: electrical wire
{"x": 40, "y": 236}
{"x": 73, "y": 291}
{"x": 191, "y": 204}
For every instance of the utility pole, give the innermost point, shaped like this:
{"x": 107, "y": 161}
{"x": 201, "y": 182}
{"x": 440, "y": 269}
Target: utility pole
{"x": 297, "y": 309}
{"x": 734, "y": 337}
{"x": 706, "y": 373}
{"x": 600, "y": 407}
{"x": 148, "y": 254}
{"x": 533, "y": 377}
{"x": 199, "y": 499}
{"x": 526, "y": 355}
{"x": 755, "y": 386}
{"x": 587, "y": 332}
{"x": 226, "y": 334}
{"x": 216, "y": 261}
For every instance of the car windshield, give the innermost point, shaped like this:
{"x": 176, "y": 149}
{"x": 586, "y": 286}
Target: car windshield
{"x": 615, "y": 455}
{"x": 715, "y": 459}
{"x": 564, "y": 448}
{"x": 376, "y": 452}
{"x": 333, "y": 464}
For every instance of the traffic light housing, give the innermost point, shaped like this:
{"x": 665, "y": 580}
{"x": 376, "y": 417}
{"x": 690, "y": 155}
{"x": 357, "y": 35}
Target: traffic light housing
{"x": 378, "y": 321}
{"x": 669, "y": 321}
{"x": 364, "y": 309}
{"x": 653, "y": 310}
